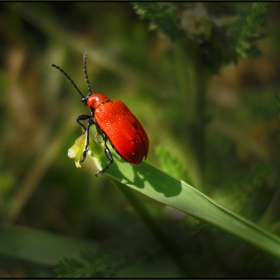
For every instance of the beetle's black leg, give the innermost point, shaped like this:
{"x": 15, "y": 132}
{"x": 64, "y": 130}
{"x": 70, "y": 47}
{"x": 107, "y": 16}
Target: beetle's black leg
{"x": 108, "y": 155}
{"x": 83, "y": 118}
{"x": 90, "y": 122}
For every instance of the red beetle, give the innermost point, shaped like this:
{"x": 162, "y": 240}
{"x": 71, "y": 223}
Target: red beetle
{"x": 114, "y": 122}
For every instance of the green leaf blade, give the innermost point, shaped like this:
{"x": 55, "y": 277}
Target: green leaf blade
{"x": 158, "y": 185}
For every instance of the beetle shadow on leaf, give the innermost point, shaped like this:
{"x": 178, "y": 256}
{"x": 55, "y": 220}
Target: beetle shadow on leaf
{"x": 160, "y": 181}
{"x": 147, "y": 176}
{"x": 131, "y": 177}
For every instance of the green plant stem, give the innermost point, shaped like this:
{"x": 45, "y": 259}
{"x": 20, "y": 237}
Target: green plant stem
{"x": 144, "y": 214}
{"x": 192, "y": 79}
{"x": 202, "y": 76}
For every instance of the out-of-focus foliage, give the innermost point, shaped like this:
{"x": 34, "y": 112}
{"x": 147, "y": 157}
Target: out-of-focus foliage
{"x": 110, "y": 258}
{"x": 223, "y": 130}
{"x": 163, "y": 16}
{"x": 223, "y": 35}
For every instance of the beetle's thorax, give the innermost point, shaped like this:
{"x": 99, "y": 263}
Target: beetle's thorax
{"x": 96, "y": 99}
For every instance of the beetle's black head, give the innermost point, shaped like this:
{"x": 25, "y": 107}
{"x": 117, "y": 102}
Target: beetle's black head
{"x": 84, "y": 100}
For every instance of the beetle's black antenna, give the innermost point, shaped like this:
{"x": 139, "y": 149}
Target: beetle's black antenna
{"x": 86, "y": 74}
{"x": 70, "y": 80}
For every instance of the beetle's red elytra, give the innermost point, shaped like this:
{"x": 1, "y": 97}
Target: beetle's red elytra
{"x": 114, "y": 122}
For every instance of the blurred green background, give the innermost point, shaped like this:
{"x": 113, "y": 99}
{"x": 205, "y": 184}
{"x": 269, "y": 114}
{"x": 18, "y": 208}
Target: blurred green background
{"x": 40, "y": 186}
